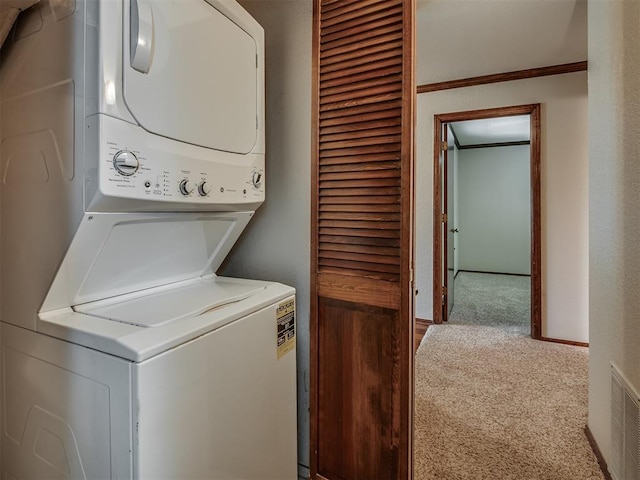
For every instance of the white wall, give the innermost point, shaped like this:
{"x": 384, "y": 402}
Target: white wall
{"x": 614, "y": 205}
{"x": 499, "y": 36}
{"x": 564, "y": 191}
{"x": 494, "y": 206}
{"x": 275, "y": 245}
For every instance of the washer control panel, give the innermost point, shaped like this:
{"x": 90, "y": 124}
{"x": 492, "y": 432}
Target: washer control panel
{"x": 159, "y": 172}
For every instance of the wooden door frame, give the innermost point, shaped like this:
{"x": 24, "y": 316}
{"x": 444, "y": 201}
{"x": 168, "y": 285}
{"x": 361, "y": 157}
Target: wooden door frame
{"x": 536, "y": 216}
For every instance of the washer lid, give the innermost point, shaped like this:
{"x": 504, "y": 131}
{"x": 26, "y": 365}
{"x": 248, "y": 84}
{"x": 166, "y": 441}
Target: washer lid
{"x": 138, "y": 343}
{"x": 168, "y": 305}
{"x": 117, "y": 254}
{"x": 191, "y": 72}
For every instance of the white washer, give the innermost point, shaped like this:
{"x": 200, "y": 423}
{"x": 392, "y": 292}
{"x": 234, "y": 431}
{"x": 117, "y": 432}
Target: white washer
{"x": 132, "y": 158}
{"x": 203, "y": 397}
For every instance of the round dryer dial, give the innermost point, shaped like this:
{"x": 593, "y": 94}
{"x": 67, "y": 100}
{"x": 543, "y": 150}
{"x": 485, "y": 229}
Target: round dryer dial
{"x": 204, "y": 189}
{"x": 256, "y": 179}
{"x": 126, "y": 163}
{"x": 186, "y": 187}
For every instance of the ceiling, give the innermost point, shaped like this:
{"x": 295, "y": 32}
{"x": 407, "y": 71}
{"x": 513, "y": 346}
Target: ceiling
{"x": 467, "y": 38}
{"x": 492, "y": 130}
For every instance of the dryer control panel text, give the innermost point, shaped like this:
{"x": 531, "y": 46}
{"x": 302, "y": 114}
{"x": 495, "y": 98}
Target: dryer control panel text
{"x": 130, "y": 167}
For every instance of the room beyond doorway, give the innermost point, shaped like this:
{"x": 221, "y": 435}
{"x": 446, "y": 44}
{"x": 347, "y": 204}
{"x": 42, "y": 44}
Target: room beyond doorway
{"x": 493, "y": 300}
{"x": 502, "y": 233}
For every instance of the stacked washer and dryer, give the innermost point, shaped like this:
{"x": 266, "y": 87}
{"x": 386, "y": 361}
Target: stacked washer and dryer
{"x": 132, "y": 158}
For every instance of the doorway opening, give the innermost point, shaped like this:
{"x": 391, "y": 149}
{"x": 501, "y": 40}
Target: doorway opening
{"x": 445, "y": 230}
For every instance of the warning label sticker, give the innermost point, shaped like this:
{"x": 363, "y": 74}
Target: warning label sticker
{"x": 286, "y": 321}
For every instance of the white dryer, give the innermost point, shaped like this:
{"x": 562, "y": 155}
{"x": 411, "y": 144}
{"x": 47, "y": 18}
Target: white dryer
{"x": 132, "y": 158}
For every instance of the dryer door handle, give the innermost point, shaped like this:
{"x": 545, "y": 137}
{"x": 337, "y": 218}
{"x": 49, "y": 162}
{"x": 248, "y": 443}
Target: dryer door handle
{"x": 141, "y": 35}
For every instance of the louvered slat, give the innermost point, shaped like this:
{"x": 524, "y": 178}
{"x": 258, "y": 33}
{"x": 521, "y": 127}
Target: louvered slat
{"x": 357, "y": 183}
{"x": 359, "y": 224}
{"x": 359, "y": 174}
{"x": 359, "y": 192}
{"x": 358, "y": 167}
{"x": 352, "y": 272}
{"x": 365, "y": 53}
{"x": 385, "y": 109}
{"x": 364, "y": 22}
{"x": 372, "y": 68}
{"x": 353, "y": 42}
{"x": 380, "y": 97}
{"x": 348, "y": 80}
{"x": 390, "y": 252}
{"x": 359, "y": 150}
{"x": 358, "y": 232}
{"x": 384, "y": 158}
{"x": 372, "y": 28}
{"x": 381, "y": 208}
{"x": 347, "y": 254}
{"x": 350, "y": 9}
{"x": 380, "y": 122}
{"x": 364, "y": 91}
{"x": 360, "y": 216}
{"x": 359, "y": 199}
{"x": 362, "y": 266}
{"x": 364, "y": 241}
{"x": 363, "y": 134}
{"x": 354, "y": 86}
{"x": 343, "y": 63}
{"x": 355, "y": 142}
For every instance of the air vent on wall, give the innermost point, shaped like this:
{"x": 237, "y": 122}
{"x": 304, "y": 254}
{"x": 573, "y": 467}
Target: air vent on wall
{"x": 625, "y": 429}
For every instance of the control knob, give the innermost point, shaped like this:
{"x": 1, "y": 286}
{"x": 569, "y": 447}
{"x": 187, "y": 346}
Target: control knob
{"x": 186, "y": 187}
{"x": 256, "y": 179}
{"x": 126, "y": 163}
{"x": 204, "y": 189}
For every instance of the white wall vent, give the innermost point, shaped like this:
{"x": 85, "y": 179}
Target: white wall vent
{"x": 625, "y": 428}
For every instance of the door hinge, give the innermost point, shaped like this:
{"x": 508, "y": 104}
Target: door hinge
{"x": 444, "y": 290}
{"x": 445, "y": 146}
{"x": 444, "y": 218}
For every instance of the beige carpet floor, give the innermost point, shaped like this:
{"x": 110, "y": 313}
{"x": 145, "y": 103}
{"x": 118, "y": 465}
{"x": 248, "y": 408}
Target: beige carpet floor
{"x": 493, "y": 300}
{"x": 490, "y": 404}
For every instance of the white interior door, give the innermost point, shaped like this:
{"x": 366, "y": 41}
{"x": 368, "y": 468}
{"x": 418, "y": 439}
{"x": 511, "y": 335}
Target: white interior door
{"x": 191, "y": 73}
{"x": 451, "y": 220}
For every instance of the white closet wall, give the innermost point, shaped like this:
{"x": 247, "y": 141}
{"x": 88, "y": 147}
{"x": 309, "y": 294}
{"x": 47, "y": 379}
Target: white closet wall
{"x": 494, "y": 210}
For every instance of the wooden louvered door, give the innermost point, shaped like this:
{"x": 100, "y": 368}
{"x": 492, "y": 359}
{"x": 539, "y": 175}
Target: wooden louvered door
{"x": 362, "y": 240}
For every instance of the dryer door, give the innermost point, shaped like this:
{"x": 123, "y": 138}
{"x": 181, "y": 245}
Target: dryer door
{"x": 190, "y": 71}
